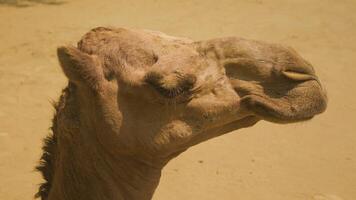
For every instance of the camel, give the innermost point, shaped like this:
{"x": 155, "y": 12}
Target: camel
{"x": 136, "y": 99}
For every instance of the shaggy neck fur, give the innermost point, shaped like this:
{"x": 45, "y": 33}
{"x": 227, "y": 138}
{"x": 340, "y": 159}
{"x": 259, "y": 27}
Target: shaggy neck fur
{"x": 77, "y": 166}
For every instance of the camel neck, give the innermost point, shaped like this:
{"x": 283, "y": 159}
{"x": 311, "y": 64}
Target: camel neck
{"x": 85, "y": 162}
{"x": 91, "y": 173}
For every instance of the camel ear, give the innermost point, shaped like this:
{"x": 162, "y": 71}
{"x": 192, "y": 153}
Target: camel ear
{"x": 80, "y": 67}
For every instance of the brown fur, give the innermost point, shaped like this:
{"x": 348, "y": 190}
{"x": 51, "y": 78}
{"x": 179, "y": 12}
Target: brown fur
{"x": 46, "y": 166}
{"x": 137, "y": 99}
{"x": 48, "y": 158}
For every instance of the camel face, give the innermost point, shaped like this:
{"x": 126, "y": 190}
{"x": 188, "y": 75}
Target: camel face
{"x": 162, "y": 94}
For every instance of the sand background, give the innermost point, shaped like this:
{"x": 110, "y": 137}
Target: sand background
{"x": 314, "y": 160}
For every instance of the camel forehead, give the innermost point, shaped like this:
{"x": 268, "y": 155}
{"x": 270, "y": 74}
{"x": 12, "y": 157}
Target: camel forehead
{"x": 107, "y": 39}
{"x": 139, "y": 48}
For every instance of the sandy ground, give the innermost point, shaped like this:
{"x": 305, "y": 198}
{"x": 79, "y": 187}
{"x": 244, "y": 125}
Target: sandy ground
{"x": 314, "y": 160}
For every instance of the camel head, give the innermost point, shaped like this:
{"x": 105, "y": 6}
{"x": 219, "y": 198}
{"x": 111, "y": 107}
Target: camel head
{"x": 146, "y": 93}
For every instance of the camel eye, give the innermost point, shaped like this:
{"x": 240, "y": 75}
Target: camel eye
{"x": 170, "y": 86}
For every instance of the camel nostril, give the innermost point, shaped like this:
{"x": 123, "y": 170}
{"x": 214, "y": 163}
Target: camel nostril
{"x": 155, "y": 58}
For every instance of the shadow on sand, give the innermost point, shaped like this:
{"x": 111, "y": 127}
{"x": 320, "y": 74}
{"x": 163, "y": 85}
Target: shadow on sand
{"x": 27, "y": 3}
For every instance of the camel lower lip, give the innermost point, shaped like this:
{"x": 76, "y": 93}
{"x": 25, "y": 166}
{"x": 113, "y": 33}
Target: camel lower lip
{"x": 279, "y": 110}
